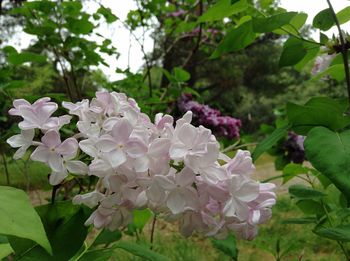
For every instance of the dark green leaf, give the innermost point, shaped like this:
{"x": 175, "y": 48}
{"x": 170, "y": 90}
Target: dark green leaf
{"x": 107, "y": 14}
{"x": 339, "y": 233}
{"x": 323, "y": 38}
{"x": 269, "y": 141}
{"x": 20, "y": 58}
{"x": 310, "y": 207}
{"x": 324, "y": 20}
{"x": 18, "y": 217}
{"x": 293, "y": 52}
{"x": 227, "y": 246}
{"x": 236, "y": 39}
{"x": 141, "y": 251}
{"x": 329, "y": 152}
{"x": 303, "y": 192}
{"x": 79, "y": 26}
{"x": 318, "y": 111}
{"x": 72, "y": 8}
{"x": 268, "y": 24}
{"x": 107, "y": 237}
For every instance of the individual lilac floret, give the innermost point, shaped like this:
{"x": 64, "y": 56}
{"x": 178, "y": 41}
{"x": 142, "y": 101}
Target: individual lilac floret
{"x": 224, "y": 126}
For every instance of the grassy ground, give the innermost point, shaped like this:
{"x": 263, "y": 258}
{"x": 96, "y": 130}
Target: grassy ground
{"x": 299, "y": 239}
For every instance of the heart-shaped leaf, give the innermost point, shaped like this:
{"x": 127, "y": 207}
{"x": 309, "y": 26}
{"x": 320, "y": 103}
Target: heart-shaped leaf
{"x": 329, "y": 152}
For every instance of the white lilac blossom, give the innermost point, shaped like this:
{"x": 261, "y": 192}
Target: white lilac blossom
{"x": 175, "y": 170}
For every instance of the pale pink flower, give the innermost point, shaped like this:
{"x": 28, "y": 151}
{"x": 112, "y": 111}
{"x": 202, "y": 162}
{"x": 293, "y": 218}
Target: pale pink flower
{"x": 22, "y": 141}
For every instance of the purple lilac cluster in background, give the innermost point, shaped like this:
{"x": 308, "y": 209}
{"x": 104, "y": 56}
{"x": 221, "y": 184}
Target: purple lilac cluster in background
{"x": 223, "y": 126}
{"x": 294, "y": 145}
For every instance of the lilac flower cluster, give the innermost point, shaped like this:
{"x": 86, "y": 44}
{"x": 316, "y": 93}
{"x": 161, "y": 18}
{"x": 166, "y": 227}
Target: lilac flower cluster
{"x": 223, "y": 126}
{"x": 294, "y": 146}
{"x": 172, "y": 168}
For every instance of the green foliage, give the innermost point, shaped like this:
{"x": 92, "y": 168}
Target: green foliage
{"x": 106, "y": 237}
{"x": 227, "y": 246}
{"x": 141, "y": 251}
{"x": 324, "y": 20}
{"x": 339, "y": 233}
{"x": 269, "y": 24}
{"x": 305, "y": 192}
{"x": 344, "y": 15}
{"x": 292, "y": 170}
{"x": 222, "y": 9}
{"x": 318, "y": 111}
{"x": 236, "y": 39}
{"x": 271, "y": 140}
{"x": 19, "y": 218}
{"x": 59, "y": 220}
{"x": 329, "y": 153}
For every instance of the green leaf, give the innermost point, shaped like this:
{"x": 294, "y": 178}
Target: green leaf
{"x": 310, "y": 207}
{"x": 303, "y": 192}
{"x": 344, "y": 15}
{"x": 20, "y": 58}
{"x": 222, "y": 9}
{"x": 312, "y": 50}
{"x": 18, "y": 217}
{"x": 79, "y": 26}
{"x": 181, "y": 75}
{"x": 107, "y": 14}
{"x": 293, "y": 26}
{"x": 269, "y": 141}
{"x": 292, "y": 170}
{"x": 329, "y": 152}
{"x": 323, "y": 38}
{"x": 107, "y": 237}
{"x": 236, "y": 39}
{"x": 293, "y": 52}
{"x": 141, "y": 251}
{"x": 318, "y": 111}
{"x": 5, "y": 250}
{"x": 339, "y": 233}
{"x": 141, "y": 217}
{"x": 97, "y": 255}
{"x": 228, "y": 246}
{"x": 335, "y": 71}
{"x": 64, "y": 225}
{"x": 45, "y": 7}
{"x": 72, "y": 8}
{"x": 323, "y": 20}
{"x": 268, "y": 24}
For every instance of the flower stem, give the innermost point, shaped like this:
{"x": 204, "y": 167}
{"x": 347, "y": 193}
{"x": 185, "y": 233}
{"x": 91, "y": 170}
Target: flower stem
{"x": 152, "y": 229}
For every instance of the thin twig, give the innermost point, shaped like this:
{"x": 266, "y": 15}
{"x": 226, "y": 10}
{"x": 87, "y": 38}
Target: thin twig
{"x": 199, "y": 37}
{"x": 152, "y": 229}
